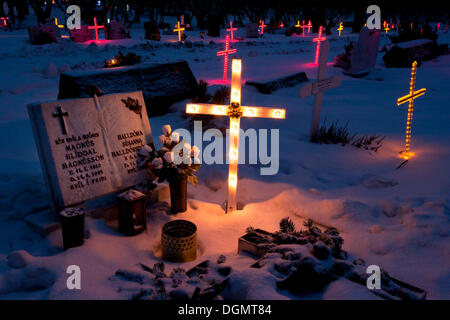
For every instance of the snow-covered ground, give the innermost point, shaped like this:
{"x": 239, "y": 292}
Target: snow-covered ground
{"x": 398, "y": 219}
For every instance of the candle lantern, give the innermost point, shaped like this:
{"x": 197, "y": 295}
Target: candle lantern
{"x": 132, "y": 215}
{"x": 179, "y": 241}
{"x": 72, "y": 225}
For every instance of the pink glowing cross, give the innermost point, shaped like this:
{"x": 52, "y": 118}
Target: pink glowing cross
{"x": 438, "y": 25}
{"x": 231, "y": 29}
{"x": 225, "y": 53}
{"x": 318, "y": 40}
{"x": 96, "y": 27}
{"x": 262, "y": 25}
{"x": 303, "y": 26}
{"x": 309, "y": 25}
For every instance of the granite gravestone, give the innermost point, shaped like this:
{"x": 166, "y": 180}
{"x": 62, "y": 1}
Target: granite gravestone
{"x": 364, "y": 54}
{"x": 360, "y": 58}
{"x": 42, "y": 34}
{"x": 81, "y": 35}
{"x": 115, "y": 31}
{"x": 251, "y": 30}
{"x": 88, "y": 147}
{"x": 161, "y": 84}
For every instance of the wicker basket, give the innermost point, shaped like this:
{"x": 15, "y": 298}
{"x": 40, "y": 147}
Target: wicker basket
{"x": 179, "y": 241}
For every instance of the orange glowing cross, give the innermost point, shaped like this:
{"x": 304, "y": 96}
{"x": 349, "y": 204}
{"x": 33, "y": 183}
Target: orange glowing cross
{"x": 309, "y": 25}
{"x": 179, "y": 29}
{"x": 96, "y": 27}
{"x": 225, "y": 53}
{"x": 234, "y": 111}
{"x": 261, "y": 26}
{"x": 410, "y": 98}
{"x": 318, "y": 40}
{"x": 231, "y": 29}
{"x": 341, "y": 27}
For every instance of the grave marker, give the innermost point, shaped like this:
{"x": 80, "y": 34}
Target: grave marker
{"x": 96, "y": 27}
{"x": 225, "y": 53}
{"x": 234, "y": 111}
{"x": 88, "y": 147}
{"x": 318, "y": 40}
{"x": 317, "y": 87}
{"x": 231, "y": 29}
{"x": 413, "y": 94}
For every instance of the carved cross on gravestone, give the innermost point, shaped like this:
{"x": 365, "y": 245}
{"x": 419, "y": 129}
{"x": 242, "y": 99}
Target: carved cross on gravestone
{"x": 319, "y": 86}
{"x": 60, "y": 114}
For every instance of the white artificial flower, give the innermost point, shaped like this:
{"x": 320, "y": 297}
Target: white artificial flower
{"x": 145, "y": 151}
{"x": 157, "y": 163}
{"x": 187, "y": 161}
{"x": 162, "y": 139}
{"x": 195, "y": 151}
{"x": 167, "y": 130}
{"x": 175, "y": 137}
{"x": 169, "y": 156}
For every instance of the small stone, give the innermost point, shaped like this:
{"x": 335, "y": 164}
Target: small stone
{"x": 19, "y": 259}
{"x": 221, "y": 259}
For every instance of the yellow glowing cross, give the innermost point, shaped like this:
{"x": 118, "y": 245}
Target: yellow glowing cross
{"x": 58, "y": 25}
{"x": 410, "y": 98}
{"x": 386, "y": 27}
{"x": 179, "y": 30}
{"x": 298, "y": 24}
{"x": 341, "y": 27}
{"x": 235, "y": 111}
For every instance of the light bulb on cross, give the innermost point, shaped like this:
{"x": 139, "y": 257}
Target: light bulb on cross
{"x": 225, "y": 53}
{"x": 410, "y": 98}
{"x": 235, "y": 111}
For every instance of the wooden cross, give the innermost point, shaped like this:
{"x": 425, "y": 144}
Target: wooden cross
{"x": 179, "y": 29}
{"x": 96, "y": 27}
{"x": 225, "y": 53}
{"x": 410, "y": 98}
{"x": 262, "y": 25}
{"x": 60, "y": 114}
{"x": 309, "y": 26}
{"x": 341, "y": 27}
{"x": 234, "y": 111}
{"x": 231, "y": 29}
{"x": 318, "y": 87}
{"x": 318, "y": 40}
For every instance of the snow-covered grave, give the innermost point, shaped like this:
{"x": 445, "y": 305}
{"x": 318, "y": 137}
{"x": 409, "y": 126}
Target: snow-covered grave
{"x": 88, "y": 147}
{"x": 397, "y": 219}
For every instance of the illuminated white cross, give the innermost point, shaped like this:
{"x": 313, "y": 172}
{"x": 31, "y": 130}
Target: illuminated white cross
{"x": 235, "y": 111}
{"x": 318, "y": 87}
